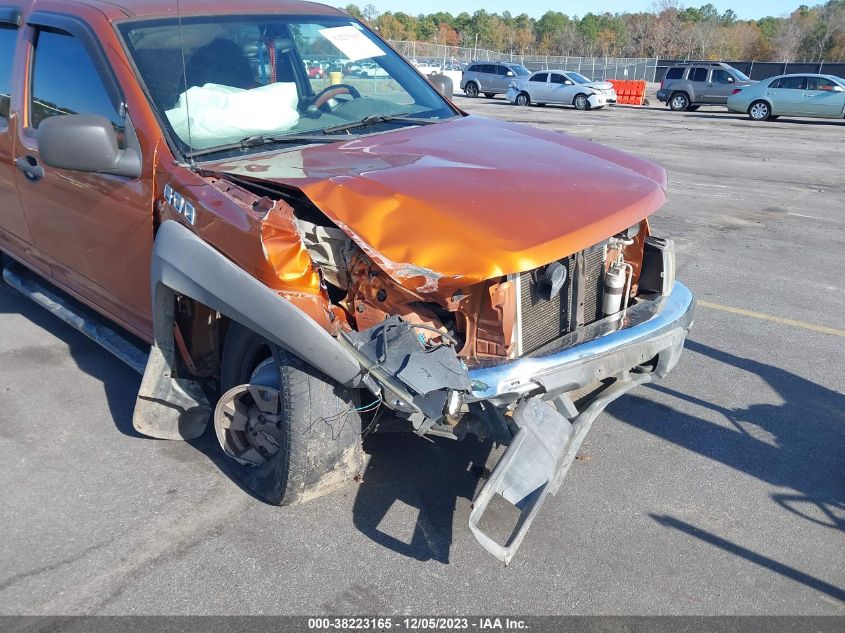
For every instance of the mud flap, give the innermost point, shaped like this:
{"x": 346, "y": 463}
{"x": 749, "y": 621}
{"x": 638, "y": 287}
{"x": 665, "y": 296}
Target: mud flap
{"x": 538, "y": 459}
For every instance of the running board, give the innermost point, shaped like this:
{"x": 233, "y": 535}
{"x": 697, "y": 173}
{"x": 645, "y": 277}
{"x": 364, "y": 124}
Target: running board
{"x": 538, "y": 458}
{"x": 75, "y": 315}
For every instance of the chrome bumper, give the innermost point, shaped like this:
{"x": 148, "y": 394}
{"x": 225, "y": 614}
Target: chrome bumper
{"x": 600, "y": 350}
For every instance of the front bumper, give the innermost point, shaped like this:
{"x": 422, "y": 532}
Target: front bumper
{"x": 601, "y": 100}
{"x": 512, "y": 94}
{"x": 598, "y": 351}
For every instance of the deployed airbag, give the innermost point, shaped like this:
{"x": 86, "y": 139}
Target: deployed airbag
{"x": 217, "y": 114}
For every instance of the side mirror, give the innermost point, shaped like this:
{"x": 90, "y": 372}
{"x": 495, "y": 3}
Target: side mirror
{"x": 510, "y": 73}
{"x": 85, "y": 143}
{"x": 443, "y": 84}
{"x": 731, "y": 80}
{"x": 568, "y": 83}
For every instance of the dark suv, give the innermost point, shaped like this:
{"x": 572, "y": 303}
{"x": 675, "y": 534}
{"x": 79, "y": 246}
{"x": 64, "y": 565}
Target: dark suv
{"x": 490, "y": 78}
{"x": 688, "y": 86}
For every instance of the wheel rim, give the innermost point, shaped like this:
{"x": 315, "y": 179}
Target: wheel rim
{"x": 759, "y": 111}
{"x": 248, "y": 418}
{"x": 472, "y": 91}
{"x": 580, "y": 102}
{"x": 522, "y": 100}
{"x": 679, "y": 102}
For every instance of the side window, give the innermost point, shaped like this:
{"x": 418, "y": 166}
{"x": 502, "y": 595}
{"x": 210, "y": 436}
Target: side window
{"x": 698, "y": 74}
{"x": 8, "y": 37}
{"x": 475, "y": 68}
{"x": 820, "y": 83}
{"x": 792, "y": 83}
{"x": 558, "y": 79}
{"x": 56, "y": 89}
{"x": 503, "y": 70}
{"x": 487, "y": 69}
{"x": 675, "y": 73}
{"x": 775, "y": 84}
{"x": 540, "y": 78}
{"x": 722, "y": 77}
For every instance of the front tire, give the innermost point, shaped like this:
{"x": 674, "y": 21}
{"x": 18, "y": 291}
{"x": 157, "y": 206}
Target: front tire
{"x": 307, "y": 442}
{"x": 471, "y": 89}
{"x": 581, "y": 102}
{"x": 759, "y": 111}
{"x": 679, "y": 102}
{"x": 522, "y": 99}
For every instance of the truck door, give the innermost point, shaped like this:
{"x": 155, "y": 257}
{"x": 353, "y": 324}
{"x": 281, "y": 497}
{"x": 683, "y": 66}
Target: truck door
{"x": 95, "y": 230}
{"x": 720, "y": 86}
{"x": 14, "y": 232}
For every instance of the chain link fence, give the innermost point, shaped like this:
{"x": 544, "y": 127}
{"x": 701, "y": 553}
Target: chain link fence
{"x": 455, "y": 58}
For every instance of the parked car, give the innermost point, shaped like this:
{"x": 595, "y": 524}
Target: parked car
{"x": 298, "y": 265}
{"x": 372, "y": 70}
{"x": 791, "y": 95}
{"x": 490, "y": 78}
{"x": 315, "y": 72}
{"x": 561, "y": 87}
{"x": 689, "y": 86}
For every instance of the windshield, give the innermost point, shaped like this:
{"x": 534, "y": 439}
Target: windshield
{"x": 579, "y": 78}
{"x": 273, "y": 76}
{"x": 519, "y": 71}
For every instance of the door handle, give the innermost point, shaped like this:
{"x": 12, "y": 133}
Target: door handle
{"x": 30, "y": 167}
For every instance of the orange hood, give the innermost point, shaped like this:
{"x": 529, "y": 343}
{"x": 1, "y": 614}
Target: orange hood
{"x": 469, "y": 199}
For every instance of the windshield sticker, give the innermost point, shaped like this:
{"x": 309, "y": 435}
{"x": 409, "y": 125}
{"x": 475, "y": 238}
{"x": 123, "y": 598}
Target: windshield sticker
{"x": 352, "y": 42}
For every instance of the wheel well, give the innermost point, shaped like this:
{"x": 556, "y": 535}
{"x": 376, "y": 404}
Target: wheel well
{"x": 200, "y": 333}
{"x": 580, "y": 94}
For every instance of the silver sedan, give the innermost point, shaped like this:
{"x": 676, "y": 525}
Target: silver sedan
{"x": 791, "y": 95}
{"x": 561, "y": 86}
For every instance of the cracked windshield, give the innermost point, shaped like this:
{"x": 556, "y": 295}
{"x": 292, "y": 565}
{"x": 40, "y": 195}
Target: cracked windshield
{"x": 255, "y": 81}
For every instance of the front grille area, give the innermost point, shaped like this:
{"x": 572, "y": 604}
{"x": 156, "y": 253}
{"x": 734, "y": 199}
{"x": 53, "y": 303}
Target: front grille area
{"x": 578, "y": 302}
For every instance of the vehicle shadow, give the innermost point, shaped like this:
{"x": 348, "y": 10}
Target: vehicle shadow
{"x": 798, "y": 444}
{"x": 120, "y": 383}
{"x": 427, "y": 476}
{"x": 779, "y": 121}
{"x": 751, "y": 556}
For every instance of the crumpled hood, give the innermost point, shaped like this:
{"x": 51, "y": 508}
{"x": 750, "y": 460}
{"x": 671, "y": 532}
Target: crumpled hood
{"x": 469, "y": 199}
{"x": 599, "y": 85}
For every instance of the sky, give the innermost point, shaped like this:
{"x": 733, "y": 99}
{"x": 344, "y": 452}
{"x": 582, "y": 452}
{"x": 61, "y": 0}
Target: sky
{"x": 745, "y": 9}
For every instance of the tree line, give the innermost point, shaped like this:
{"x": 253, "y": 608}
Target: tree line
{"x": 669, "y": 30}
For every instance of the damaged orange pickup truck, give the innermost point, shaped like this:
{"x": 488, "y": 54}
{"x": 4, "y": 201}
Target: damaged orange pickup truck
{"x": 296, "y": 260}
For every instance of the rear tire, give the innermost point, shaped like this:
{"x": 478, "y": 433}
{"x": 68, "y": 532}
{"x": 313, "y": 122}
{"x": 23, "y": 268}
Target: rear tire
{"x": 319, "y": 432}
{"x": 581, "y": 102}
{"x": 759, "y": 111}
{"x": 522, "y": 99}
{"x": 679, "y": 102}
{"x": 471, "y": 89}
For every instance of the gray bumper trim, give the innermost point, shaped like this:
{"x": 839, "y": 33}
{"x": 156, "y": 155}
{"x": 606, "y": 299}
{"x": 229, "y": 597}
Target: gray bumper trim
{"x": 596, "y": 352}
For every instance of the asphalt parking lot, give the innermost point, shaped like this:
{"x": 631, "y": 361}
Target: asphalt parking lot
{"x": 720, "y": 490}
